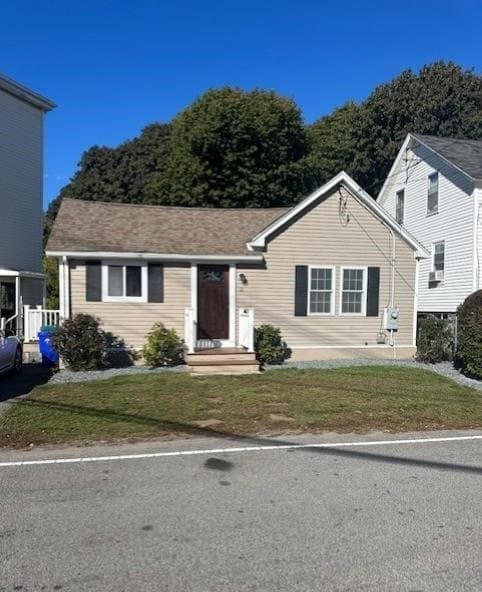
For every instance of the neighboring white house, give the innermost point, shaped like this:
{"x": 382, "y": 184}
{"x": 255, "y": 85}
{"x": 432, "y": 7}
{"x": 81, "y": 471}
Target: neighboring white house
{"x": 21, "y": 178}
{"x": 434, "y": 190}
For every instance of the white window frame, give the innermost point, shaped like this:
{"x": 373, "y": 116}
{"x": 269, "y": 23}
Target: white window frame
{"x": 402, "y": 192}
{"x": 363, "y": 312}
{"x": 440, "y": 242}
{"x": 434, "y": 174}
{"x": 333, "y": 288}
{"x": 124, "y": 263}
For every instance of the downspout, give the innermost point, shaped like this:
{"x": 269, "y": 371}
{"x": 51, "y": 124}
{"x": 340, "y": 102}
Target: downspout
{"x": 391, "y": 341}
{"x": 476, "y": 270}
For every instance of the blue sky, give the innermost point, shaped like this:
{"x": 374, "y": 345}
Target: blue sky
{"x": 114, "y": 66}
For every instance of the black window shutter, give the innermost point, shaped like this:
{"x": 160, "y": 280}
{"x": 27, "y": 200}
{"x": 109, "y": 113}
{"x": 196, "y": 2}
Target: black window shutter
{"x": 93, "y": 284}
{"x": 301, "y": 290}
{"x": 373, "y": 291}
{"x": 155, "y": 290}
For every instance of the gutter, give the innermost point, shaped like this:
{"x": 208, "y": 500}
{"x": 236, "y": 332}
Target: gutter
{"x": 153, "y": 256}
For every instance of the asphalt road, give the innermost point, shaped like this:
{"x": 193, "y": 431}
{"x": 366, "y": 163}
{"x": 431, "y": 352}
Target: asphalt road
{"x": 393, "y": 517}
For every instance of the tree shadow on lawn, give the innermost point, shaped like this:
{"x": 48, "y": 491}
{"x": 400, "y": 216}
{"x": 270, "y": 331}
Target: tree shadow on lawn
{"x": 191, "y": 430}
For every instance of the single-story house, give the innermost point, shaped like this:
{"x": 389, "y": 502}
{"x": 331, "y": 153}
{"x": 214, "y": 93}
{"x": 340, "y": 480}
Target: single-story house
{"x": 335, "y": 273}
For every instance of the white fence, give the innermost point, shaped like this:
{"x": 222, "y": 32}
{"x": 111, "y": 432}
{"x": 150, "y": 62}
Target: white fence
{"x": 36, "y": 318}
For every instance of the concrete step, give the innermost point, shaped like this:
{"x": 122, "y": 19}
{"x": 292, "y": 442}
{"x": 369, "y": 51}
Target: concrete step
{"x": 220, "y": 362}
{"x": 204, "y": 369}
{"x": 213, "y": 358}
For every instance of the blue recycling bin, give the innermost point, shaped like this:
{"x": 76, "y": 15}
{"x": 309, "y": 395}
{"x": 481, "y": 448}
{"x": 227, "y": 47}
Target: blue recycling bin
{"x": 50, "y": 357}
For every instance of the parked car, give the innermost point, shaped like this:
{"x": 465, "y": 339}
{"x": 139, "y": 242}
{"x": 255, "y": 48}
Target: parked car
{"x": 11, "y": 354}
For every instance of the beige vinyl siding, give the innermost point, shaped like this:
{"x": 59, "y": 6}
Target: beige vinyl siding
{"x": 330, "y": 235}
{"x": 131, "y": 321}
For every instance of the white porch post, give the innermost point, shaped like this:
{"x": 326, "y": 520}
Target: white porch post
{"x": 232, "y": 304}
{"x": 64, "y": 288}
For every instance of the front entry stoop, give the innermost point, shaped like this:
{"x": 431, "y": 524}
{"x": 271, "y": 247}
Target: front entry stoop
{"x": 222, "y": 360}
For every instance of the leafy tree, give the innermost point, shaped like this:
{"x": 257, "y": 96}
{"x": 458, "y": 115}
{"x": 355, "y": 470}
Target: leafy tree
{"x": 332, "y": 143}
{"x": 233, "y": 148}
{"x": 117, "y": 174}
{"x": 469, "y": 346}
{"x": 51, "y": 271}
{"x": 442, "y": 99}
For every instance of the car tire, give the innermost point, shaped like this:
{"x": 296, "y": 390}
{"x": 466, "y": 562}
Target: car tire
{"x": 18, "y": 360}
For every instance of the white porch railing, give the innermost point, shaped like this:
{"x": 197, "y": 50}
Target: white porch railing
{"x": 189, "y": 330}
{"x": 36, "y": 318}
{"x": 246, "y": 328}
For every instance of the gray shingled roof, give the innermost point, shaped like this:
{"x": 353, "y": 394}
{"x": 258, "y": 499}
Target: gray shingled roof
{"x": 465, "y": 154}
{"x": 130, "y": 228}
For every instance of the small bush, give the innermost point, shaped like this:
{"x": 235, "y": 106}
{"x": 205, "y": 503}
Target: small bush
{"x": 163, "y": 347}
{"x": 435, "y": 340}
{"x": 469, "y": 335}
{"x": 80, "y": 343}
{"x": 269, "y": 345}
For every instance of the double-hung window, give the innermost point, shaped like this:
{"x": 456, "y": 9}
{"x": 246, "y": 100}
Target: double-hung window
{"x": 432, "y": 194}
{"x": 124, "y": 282}
{"x": 321, "y": 290}
{"x": 400, "y": 206}
{"x": 353, "y": 290}
{"x": 438, "y": 256}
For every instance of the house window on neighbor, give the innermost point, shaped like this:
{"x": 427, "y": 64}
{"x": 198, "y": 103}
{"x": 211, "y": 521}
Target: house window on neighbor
{"x": 432, "y": 195}
{"x": 353, "y": 294}
{"x": 400, "y": 206}
{"x": 438, "y": 256}
{"x": 320, "y": 294}
{"x": 124, "y": 282}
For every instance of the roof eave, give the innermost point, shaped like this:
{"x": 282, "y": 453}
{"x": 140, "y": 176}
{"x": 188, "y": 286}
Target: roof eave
{"x": 151, "y": 256}
{"x": 444, "y": 158}
{"x": 25, "y": 94}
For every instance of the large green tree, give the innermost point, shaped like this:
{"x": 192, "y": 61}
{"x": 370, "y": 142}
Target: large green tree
{"x": 118, "y": 174}
{"x": 233, "y": 148}
{"x": 442, "y": 99}
{"x": 332, "y": 143}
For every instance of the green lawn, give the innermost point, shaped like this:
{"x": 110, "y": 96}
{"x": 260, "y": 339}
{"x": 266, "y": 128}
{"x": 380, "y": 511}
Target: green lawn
{"x": 167, "y": 405}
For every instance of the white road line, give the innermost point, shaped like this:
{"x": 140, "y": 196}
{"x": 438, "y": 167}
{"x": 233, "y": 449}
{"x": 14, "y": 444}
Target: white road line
{"x": 84, "y": 459}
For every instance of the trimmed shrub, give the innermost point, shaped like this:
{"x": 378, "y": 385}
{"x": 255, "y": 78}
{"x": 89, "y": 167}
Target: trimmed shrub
{"x": 163, "y": 347}
{"x": 469, "y": 335}
{"x": 269, "y": 345}
{"x": 80, "y": 343}
{"x": 434, "y": 341}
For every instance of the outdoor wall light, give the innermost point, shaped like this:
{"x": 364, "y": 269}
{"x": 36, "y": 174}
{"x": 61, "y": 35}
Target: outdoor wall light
{"x": 243, "y": 278}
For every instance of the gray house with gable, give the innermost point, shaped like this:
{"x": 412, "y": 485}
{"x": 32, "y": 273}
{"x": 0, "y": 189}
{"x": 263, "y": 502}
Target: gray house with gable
{"x": 21, "y": 177}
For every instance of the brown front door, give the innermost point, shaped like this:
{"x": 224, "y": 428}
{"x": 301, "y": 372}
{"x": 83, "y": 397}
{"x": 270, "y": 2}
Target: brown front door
{"x": 213, "y": 302}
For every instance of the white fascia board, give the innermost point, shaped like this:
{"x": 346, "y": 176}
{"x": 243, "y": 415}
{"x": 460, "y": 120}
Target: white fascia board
{"x": 23, "y": 93}
{"x": 154, "y": 256}
{"x": 409, "y": 140}
{"x": 259, "y": 241}
{"x": 388, "y": 181}
{"x": 21, "y": 273}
